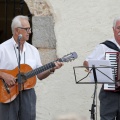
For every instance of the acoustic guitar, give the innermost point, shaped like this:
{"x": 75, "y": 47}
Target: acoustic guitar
{"x": 28, "y": 78}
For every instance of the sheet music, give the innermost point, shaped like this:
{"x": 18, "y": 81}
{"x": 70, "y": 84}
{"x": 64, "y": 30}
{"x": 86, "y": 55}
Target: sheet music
{"x": 105, "y": 68}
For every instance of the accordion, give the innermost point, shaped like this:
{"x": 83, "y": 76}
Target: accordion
{"x": 114, "y": 58}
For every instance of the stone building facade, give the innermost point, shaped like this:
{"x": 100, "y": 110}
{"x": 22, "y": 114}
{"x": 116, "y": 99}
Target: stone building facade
{"x": 60, "y": 27}
{"x": 43, "y": 28}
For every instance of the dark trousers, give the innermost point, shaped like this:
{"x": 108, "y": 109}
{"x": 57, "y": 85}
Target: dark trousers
{"x": 109, "y": 105}
{"x": 9, "y": 111}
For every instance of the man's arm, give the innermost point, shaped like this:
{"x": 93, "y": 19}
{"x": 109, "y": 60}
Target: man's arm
{"x": 46, "y": 73}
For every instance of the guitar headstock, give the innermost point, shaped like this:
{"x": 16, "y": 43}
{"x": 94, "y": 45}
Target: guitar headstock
{"x": 69, "y": 57}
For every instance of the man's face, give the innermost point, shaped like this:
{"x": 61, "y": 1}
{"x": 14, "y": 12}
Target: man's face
{"x": 116, "y": 31}
{"x": 25, "y": 30}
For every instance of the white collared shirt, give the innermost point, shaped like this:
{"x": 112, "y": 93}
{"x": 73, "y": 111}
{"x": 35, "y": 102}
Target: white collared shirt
{"x": 100, "y": 50}
{"x": 9, "y": 55}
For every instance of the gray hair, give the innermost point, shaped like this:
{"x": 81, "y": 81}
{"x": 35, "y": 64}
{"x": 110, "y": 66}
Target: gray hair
{"x": 17, "y": 23}
{"x": 115, "y": 21}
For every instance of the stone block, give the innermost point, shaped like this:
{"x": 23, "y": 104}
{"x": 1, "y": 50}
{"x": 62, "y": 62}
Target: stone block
{"x": 43, "y": 32}
{"x": 47, "y": 55}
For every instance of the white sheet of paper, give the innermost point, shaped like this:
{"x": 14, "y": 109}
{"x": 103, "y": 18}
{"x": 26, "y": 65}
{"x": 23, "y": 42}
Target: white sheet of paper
{"x": 103, "y": 64}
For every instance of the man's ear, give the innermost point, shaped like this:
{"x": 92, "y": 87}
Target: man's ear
{"x": 113, "y": 28}
{"x": 16, "y": 31}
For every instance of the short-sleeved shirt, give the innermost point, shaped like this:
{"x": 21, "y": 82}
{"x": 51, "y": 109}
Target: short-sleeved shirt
{"x": 9, "y": 56}
{"x": 100, "y": 50}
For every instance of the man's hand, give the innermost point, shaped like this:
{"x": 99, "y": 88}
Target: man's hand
{"x": 9, "y": 79}
{"x": 58, "y": 65}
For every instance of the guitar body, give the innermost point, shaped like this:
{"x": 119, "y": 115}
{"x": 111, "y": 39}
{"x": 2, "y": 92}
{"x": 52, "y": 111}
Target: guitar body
{"x": 5, "y": 96}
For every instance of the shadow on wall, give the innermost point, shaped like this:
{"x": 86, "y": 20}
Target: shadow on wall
{"x": 10, "y": 9}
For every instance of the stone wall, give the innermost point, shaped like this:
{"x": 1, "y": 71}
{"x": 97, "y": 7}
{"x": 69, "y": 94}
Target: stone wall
{"x": 79, "y": 25}
{"x": 43, "y": 29}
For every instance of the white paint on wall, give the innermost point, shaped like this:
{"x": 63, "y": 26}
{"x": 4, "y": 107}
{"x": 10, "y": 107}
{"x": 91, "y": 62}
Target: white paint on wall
{"x": 79, "y": 26}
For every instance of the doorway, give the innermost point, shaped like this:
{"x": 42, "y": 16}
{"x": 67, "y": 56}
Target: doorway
{"x": 8, "y": 10}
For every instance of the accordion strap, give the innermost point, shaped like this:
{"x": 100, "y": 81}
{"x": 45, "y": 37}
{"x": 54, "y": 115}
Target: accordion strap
{"x": 111, "y": 45}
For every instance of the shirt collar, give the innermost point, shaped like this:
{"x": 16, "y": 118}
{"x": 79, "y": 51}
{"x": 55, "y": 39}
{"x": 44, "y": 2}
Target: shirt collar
{"x": 114, "y": 41}
{"x": 16, "y": 45}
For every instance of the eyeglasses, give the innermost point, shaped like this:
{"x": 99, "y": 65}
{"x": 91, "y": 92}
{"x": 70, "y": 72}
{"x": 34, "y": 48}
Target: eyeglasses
{"x": 118, "y": 27}
{"x": 27, "y": 29}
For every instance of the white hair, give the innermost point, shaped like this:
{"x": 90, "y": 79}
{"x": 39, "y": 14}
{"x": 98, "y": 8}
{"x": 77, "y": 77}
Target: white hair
{"x": 16, "y": 22}
{"x": 115, "y": 21}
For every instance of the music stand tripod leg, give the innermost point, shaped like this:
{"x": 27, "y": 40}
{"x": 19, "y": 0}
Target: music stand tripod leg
{"x": 94, "y": 96}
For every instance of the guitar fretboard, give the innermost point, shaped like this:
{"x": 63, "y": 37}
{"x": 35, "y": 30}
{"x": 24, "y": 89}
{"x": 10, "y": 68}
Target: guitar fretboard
{"x": 39, "y": 70}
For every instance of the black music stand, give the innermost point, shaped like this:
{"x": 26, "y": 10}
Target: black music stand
{"x": 94, "y": 70}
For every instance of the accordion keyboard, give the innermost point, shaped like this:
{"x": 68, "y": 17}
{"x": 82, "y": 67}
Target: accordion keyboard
{"x": 113, "y": 57}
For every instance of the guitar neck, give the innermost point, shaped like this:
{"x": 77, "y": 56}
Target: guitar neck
{"x": 39, "y": 70}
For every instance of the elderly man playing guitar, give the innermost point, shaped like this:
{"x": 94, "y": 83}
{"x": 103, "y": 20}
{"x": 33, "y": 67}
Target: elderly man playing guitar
{"x": 10, "y": 109}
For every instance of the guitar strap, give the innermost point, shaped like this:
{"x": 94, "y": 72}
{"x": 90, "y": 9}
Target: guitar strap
{"x": 111, "y": 45}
